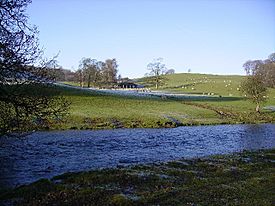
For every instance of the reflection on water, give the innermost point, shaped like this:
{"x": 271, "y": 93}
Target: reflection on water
{"x": 46, "y": 154}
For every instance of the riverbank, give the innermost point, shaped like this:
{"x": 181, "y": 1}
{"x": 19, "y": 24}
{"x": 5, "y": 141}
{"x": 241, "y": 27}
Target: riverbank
{"x": 245, "y": 178}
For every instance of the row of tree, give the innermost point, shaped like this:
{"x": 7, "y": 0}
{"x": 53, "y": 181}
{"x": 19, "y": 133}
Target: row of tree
{"x": 92, "y": 72}
{"x": 97, "y": 73}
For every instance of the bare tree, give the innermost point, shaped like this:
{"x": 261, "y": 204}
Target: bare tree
{"x": 263, "y": 68}
{"x": 100, "y": 67}
{"x": 156, "y": 72}
{"x": 90, "y": 70}
{"x": 109, "y": 71}
{"x": 79, "y": 77}
{"x": 97, "y": 73}
{"x": 252, "y": 67}
{"x": 27, "y": 98}
{"x": 268, "y": 71}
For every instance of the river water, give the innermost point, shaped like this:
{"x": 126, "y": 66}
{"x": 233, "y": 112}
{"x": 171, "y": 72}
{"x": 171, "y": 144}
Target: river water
{"x": 46, "y": 154}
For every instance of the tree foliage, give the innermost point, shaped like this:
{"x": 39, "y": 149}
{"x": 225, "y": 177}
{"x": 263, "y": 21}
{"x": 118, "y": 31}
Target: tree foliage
{"x": 255, "y": 90}
{"x": 27, "y": 97}
{"x": 261, "y": 74}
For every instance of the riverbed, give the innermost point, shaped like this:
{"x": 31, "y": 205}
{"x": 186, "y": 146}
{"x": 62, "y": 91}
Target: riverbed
{"x": 47, "y": 154}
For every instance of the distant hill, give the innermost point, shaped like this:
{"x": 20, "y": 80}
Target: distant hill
{"x": 224, "y": 85}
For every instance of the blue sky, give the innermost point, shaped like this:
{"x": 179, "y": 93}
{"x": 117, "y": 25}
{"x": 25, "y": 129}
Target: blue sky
{"x": 206, "y": 36}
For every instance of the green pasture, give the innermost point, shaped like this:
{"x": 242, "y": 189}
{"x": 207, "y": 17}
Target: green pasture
{"x": 92, "y": 110}
{"x": 225, "y": 85}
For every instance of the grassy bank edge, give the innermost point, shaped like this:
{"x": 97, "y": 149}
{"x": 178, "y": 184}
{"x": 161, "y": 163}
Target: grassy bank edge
{"x": 245, "y": 178}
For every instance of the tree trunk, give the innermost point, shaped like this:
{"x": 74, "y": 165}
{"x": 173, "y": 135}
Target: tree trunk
{"x": 157, "y": 82}
{"x": 258, "y": 108}
{"x": 82, "y": 80}
{"x": 89, "y": 80}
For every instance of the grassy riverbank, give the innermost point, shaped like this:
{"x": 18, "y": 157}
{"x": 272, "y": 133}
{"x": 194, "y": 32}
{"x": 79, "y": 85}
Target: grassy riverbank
{"x": 91, "y": 110}
{"x": 240, "y": 179}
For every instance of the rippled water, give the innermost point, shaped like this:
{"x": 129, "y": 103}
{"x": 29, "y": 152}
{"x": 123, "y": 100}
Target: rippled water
{"x": 46, "y": 154}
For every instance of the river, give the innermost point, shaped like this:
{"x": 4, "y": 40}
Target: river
{"x": 46, "y": 154}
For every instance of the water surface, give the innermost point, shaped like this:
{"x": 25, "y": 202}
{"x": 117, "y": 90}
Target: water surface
{"x": 46, "y": 154}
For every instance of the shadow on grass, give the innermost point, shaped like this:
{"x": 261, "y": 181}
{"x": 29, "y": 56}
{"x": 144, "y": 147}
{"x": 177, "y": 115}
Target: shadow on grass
{"x": 207, "y": 98}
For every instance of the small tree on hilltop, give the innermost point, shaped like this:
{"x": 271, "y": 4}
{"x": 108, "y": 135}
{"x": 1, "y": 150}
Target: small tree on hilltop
{"x": 157, "y": 70}
{"x": 255, "y": 90}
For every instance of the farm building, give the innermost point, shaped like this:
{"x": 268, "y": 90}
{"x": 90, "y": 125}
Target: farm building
{"x": 129, "y": 85}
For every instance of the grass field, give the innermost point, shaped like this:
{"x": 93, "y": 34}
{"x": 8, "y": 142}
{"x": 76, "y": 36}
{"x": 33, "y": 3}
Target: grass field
{"x": 93, "y": 110}
{"x": 221, "y": 85}
{"x": 224, "y": 85}
{"x": 240, "y": 179}
{"x": 90, "y": 110}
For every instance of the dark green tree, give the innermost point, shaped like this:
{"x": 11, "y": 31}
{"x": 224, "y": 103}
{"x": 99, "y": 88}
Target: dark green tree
{"x": 28, "y": 99}
{"x": 255, "y": 90}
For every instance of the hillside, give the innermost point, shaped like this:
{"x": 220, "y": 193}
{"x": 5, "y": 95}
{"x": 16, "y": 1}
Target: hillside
{"x": 225, "y": 85}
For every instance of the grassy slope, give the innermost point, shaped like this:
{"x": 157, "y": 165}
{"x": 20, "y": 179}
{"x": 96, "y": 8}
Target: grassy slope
{"x": 89, "y": 110}
{"x": 240, "y": 179}
{"x": 204, "y": 83}
{"x": 224, "y": 85}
